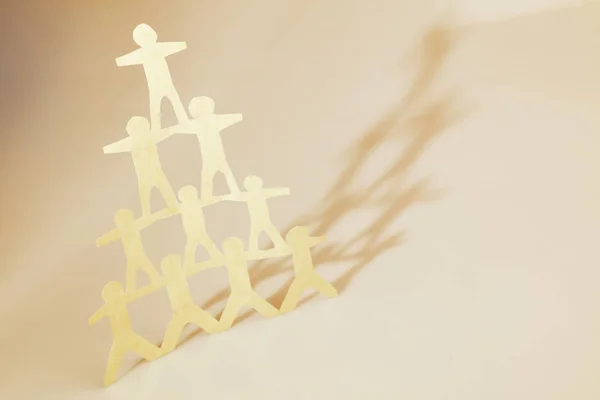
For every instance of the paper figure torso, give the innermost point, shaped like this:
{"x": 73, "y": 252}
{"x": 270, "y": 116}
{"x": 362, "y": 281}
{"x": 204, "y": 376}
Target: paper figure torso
{"x": 131, "y": 240}
{"x": 239, "y": 279}
{"x": 259, "y": 210}
{"x": 145, "y": 156}
{"x": 178, "y": 291}
{"x": 302, "y": 262}
{"x": 119, "y": 317}
{"x": 211, "y": 144}
{"x": 192, "y": 216}
{"x": 157, "y": 70}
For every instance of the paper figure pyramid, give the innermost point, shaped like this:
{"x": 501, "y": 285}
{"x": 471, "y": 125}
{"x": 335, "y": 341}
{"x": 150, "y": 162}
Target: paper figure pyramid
{"x": 143, "y": 138}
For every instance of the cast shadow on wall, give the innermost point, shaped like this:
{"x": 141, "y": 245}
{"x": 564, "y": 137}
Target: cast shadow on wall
{"x": 388, "y": 193}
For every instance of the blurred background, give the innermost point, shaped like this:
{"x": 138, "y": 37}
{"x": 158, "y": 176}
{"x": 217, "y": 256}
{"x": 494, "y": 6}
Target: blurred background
{"x": 449, "y": 151}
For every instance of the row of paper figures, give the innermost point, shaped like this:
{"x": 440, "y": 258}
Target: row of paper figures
{"x": 185, "y": 311}
{"x": 142, "y": 143}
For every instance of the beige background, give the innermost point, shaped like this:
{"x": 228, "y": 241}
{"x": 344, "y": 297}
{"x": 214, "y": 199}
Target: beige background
{"x": 491, "y": 293}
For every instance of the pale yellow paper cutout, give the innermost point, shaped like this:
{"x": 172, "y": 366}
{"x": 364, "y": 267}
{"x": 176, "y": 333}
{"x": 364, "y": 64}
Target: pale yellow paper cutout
{"x": 207, "y": 126}
{"x": 204, "y": 265}
{"x": 306, "y": 277}
{"x": 192, "y": 216}
{"x": 260, "y": 218}
{"x": 242, "y": 294}
{"x": 124, "y": 337}
{"x": 184, "y": 309}
{"x": 152, "y": 56}
{"x": 128, "y": 231}
{"x": 141, "y": 143}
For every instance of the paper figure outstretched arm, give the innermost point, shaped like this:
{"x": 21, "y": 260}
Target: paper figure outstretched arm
{"x": 107, "y": 238}
{"x": 187, "y": 127}
{"x": 133, "y": 58}
{"x": 204, "y": 265}
{"x": 190, "y": 127}
{"x": 226, "y": 120}
{"x": 168, "y": 48}
{"x": 121, "y": 146}
{"x": 146, "y": 290}
{"x": 316, "y": 240}
{"x": 266, "y": 193}
{"x": 125, "y": 145}
{"x": 276, "y": 192}
{"x": 145, "y": 221}
{"x": 98, "y": 315}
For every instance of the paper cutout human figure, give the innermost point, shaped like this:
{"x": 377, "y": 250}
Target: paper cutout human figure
{"x": 184, "y": 309}
{"x": 124, "y": 337}
{"x": 260, "y": 217}
{"x": 152, "y": 56}
{"x": 242, "y": 294}
{"x": 207, "y": 126}
{"x": 142, "y": 146}
{"x": 128, "y": 230}
{"x": 306, "y": 277}
{"x": 192, "y": 216}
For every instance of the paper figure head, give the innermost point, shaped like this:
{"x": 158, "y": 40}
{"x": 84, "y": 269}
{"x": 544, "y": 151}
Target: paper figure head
{"x": 137, "y": 125}
{"x": 201, "y": 106}
{"x": 112, "y": 291}
{"x": 170, "y": 264}
{"x": 187, "y": 193}
{"x": 297, "y": 233}
{"x": 124, "y": 217}
{"x": 253, "y": 183}
{"x": 233, "y": 246}
{"x": 144, "y": 35}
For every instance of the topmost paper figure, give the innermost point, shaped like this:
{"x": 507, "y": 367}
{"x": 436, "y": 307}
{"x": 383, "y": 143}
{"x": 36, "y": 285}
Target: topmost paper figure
{"x": 152, "y": 56}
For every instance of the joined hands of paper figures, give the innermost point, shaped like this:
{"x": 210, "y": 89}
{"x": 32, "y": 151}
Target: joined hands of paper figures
{"x": 142, "y": 140}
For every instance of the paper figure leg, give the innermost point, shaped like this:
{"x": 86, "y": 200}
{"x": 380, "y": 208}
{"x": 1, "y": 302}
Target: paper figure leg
{"x": 144, "y": 192}
{"x": 275, "y": 236}
{"x": 206, "y": 187}
{"x": 293, "y": 296}
{"x": 261, "y": 305}
{"x": 155, "y": 120}
{"x": 203, "y": 319}
{"x": 144, "y": 348}
{"x": 190, "y": 252}
{"x": 149, "y": 269}
{"x": 255, "y": 232}
{"x": 146, "y": 265}
{"x": 320, "y": 284}
{"x": 231, "y": 182}
{"x": 172, "y": 334}
{"x": 210, "y": 247}
{"x": 167, "y": 192}
{"x": 115, "y": 356}
{"x": 230, "y": 313}
{"x": 178, "y": 107}
{"x": 131, "y": 277}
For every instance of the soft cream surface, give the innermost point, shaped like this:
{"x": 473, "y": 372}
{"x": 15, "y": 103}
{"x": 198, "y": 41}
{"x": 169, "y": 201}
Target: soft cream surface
{"x": 491, "y": 294}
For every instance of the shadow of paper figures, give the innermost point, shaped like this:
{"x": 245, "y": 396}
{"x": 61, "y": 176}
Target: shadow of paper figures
{"x": 408, "y": 121}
